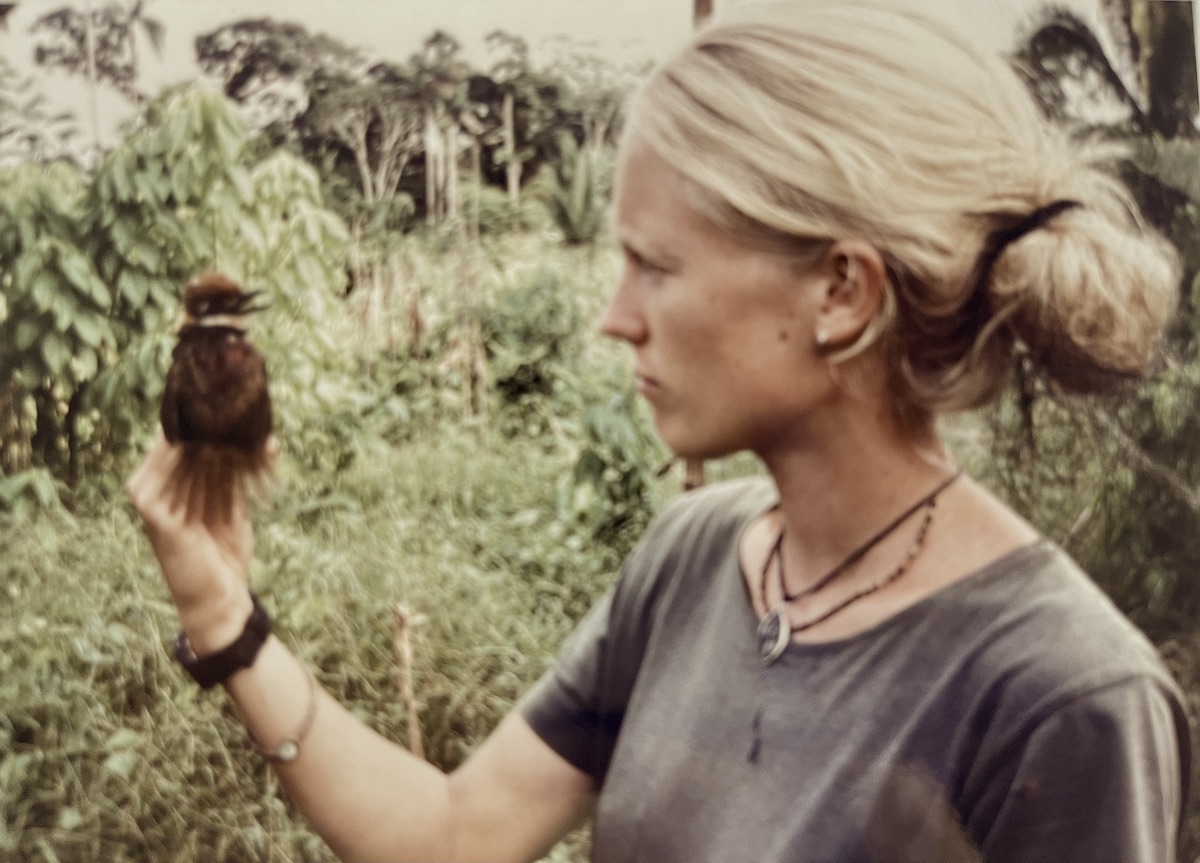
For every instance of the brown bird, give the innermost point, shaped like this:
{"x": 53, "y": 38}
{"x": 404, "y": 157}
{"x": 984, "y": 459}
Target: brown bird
{"x": 216, "y": 394}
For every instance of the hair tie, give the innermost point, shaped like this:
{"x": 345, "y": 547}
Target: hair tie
{"x": 1001, "y": 240}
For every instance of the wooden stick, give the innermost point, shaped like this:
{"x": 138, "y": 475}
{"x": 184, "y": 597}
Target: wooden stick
{"x": 405, "y": 620}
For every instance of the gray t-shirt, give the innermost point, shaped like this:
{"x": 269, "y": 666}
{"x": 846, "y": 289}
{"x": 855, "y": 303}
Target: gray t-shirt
{"x": 1015, "y": 712}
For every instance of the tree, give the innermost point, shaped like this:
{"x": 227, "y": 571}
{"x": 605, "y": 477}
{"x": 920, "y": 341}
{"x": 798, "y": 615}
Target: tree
{"x": 102, "y": 44}
{"x": 28, "y": 132}
{"x": 439, "y": 77}
{"x": 377, "y": 121}
{"x": 1148, "y": 88}
{"x": 271, "y": 68}
{"x": 596, "y": 88}
{"x": 511, "y": 74}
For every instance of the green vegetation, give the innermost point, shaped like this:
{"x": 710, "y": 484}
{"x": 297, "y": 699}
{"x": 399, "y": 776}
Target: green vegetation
{"x": 455, "y": 436}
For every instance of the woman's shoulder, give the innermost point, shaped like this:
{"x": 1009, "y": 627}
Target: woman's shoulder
{"x": 697, "y": 529}
{"x": 729, "y": 503}
{"x": 710, "y": 518}
{"x": 1044, "y": 634}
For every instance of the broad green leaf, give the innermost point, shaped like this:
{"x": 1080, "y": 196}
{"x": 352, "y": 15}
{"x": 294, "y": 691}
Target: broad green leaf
{"x": 78, "y": 271}
{"x": 134, "y": 287}
{"x": 85, "y": 364}
{"x": 180, "y": 126}
{"x": 89, "y": 329}
{"x": 183, "y": 181}
{"x": 151, "y": 189}
{"x": 253, "y": 236}
{"x": 100, "y": 293}
{"x": 240, "y": 179}
{"x": 56, "y": 353}
{"x": 28, "y": 267}
{"x": 14, "y": 767}
{"x": 121, "y": 179}
{"x": 164, "y": 293}
{"x": 124, "y": 738}
{"x": 65, "y": 311}
{"x": 29, "y": 331}
{"x": 147, "y": 255}
{"x": 224, "y": 203}
{"x": 45, "y": 289}
{"x": 310, "y": 271}
{"x": 124, "y": 234}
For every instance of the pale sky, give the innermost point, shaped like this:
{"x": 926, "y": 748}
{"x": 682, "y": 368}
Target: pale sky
{"x": 393, "y": 29}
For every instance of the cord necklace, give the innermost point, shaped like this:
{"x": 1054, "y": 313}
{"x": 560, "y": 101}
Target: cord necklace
{"x": 776, "y": 630}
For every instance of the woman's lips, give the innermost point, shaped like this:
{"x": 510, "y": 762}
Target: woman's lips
{"x": 646, "y": 385}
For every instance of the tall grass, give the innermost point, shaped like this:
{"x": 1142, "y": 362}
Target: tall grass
{"x": 107, "y": 752}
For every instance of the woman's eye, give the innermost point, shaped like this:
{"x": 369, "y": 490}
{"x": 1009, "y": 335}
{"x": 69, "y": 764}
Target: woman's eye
{"x": 647, "y": 267}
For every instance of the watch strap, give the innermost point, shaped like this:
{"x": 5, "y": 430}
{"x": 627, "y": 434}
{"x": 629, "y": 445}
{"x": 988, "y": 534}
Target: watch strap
{"x": 218, "y": 667}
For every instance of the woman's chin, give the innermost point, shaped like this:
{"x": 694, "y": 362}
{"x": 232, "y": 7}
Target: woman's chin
{"x": 687, "y": 444}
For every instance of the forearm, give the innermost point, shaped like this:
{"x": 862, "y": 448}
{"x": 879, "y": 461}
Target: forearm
{"x": 366, "y": 796}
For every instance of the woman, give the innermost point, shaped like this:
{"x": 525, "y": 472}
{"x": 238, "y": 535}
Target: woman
{"x": 838, "y": 223}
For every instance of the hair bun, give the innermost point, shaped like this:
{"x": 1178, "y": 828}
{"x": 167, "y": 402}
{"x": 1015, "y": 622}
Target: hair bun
{"x": 1089, "y": 291}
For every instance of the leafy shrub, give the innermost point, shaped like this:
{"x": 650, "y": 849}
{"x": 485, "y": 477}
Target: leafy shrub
{"x": 611, "y": 488}
{"x": 496, "y": 212}
{"x": 531, "y": 333}
{"x": 575, "y": 192}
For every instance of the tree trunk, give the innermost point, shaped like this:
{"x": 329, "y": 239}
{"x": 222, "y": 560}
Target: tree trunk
{"x": 512, "y": 168}
{"x": 433, "y": 170}
{"x": 1169, "y": 65}
{"x": 45, "y": 436}
{"x": 453, "y": 195}
{"x": 74, "y": 408}
{"x": 89, "y": 36}
{"x": 477, "y": 183}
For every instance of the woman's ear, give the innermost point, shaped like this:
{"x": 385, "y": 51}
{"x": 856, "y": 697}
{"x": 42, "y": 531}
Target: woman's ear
{"x": 854, "y": 296}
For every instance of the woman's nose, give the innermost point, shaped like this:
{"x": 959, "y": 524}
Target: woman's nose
{"x": 622, "y": 318}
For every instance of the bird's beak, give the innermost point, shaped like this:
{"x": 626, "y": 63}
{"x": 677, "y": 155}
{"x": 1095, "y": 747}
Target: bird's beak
{"x": 244, "y": 304}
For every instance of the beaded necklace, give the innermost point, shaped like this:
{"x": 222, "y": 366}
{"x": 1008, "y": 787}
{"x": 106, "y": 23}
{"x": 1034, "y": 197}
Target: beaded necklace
{"x": 776, "y": 630}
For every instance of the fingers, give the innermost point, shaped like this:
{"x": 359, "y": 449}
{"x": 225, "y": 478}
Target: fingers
{"x": 176, "y": 484}
{"x": 222, "y": 482}
{"x": 153, "y": 486}
{"x": 198, "y": 469}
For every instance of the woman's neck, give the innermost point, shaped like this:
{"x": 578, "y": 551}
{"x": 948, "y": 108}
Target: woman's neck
{"x": 845, "y": 478}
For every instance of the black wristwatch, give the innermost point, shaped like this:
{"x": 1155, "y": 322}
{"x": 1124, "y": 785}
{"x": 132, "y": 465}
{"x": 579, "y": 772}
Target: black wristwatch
{"x": 218, "y": 667}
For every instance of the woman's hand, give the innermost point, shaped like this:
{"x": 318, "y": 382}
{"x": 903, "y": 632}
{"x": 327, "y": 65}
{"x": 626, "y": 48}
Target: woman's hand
{"x": 197, "y": 517}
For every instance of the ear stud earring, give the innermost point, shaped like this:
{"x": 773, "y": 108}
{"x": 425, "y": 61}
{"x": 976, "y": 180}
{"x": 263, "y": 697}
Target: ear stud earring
{"x": 822, "y": 338}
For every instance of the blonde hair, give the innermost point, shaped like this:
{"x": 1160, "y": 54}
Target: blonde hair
{"x": 800, "y": 123}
